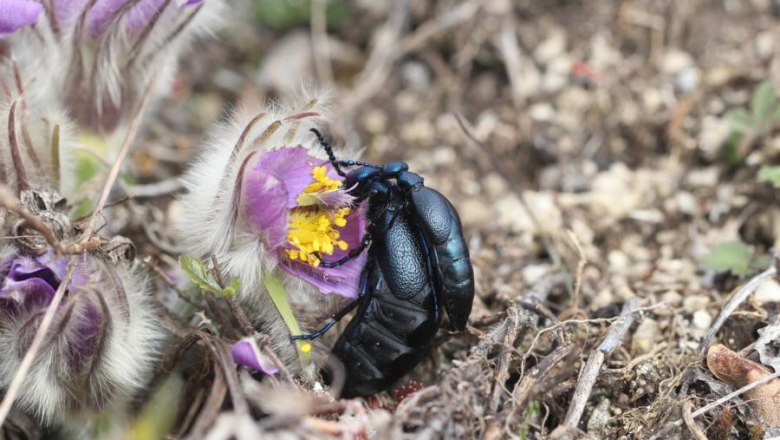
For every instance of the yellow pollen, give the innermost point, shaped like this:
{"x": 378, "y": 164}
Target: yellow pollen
{"x": 312, "y": 228}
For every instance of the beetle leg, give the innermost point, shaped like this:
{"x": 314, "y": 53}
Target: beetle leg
{"x": 341, "y": 313}
{"x": 336, "y": 318}
{"x": 364, "y": 244}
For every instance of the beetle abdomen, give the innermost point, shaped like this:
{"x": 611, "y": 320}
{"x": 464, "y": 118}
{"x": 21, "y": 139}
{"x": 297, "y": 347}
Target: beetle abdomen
{"x": 440, "y": 225}
{"x": 393, "y": 327}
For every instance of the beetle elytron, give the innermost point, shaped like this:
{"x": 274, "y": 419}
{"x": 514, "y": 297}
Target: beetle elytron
{"x": 418, "y": 263}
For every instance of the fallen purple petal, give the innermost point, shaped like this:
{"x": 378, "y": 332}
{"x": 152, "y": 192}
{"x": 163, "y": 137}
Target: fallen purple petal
{"x": 246, "y": 352}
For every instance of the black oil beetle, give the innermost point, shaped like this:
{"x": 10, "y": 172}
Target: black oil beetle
{"x": 418, "y": 263}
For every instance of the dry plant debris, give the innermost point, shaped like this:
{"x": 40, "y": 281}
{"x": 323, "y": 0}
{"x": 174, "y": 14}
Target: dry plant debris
{"x": 605, "y": 158}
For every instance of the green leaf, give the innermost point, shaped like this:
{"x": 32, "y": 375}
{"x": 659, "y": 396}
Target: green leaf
{"x": 200, "y": 275}
{"x": 775, "y": 115}
{"x": 763, "y": 102}
{"x": 740, "y": 121}
{"x": 734, "y": 257}
{"x": 230, "y": 291}
{"x": 87, "y": 166}
{"x": 731, "y": 149}
{"x": 770, "y": 174}
{"x": 276, "y": 290}
{"x": 285, "y": 14}
{"x": 158, "y": 416}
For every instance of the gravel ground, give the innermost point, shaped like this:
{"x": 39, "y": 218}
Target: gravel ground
{"x": 612, "y": 165}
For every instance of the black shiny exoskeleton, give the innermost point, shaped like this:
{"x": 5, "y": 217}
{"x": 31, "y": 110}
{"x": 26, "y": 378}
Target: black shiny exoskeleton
{"x": 418, "y": 263}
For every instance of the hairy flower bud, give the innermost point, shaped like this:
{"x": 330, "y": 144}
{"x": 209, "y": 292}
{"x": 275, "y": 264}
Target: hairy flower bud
{"x": 95, "y": 58}
{"x": 103, "y": 340}
{"x": 101, "y": 343}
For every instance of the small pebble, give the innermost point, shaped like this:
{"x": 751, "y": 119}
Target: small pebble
{"x": 702, "y": 320}
{"x": 693, "y": 303}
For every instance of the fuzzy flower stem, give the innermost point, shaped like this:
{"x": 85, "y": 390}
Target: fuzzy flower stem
{"x": 125, "y": 148}
{"x": 219, "y": 315}
{"x": 265, "y": 344}
{"x": 228, "y": 368}
{"x": 35, "y": 346}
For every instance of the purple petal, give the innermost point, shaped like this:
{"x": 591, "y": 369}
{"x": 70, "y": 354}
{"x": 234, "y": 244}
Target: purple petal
{"x": 27, "y": 295}
{"x": 246, "y": 352}
{"x": 188, "y": 3}
{"x": 345, "y": 279}
{"x": 67, "y": 10}
{"x": 17, "y": 13}
{"x": 29, "y": 268}
{"x": 86, "y": 332}
{"x": 104, "y": 13}
{"x": 353, "y": 232}
{"x": 264, "y": 206}
{"x": 293, "y": 166}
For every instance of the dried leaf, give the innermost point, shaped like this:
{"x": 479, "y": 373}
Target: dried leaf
{"x": 768, "y": 346}
{"x": 738, "y": 372}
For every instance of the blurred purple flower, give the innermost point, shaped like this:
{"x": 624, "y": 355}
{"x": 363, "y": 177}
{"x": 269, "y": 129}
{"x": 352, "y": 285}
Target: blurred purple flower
{"x": 17, "y": 13}
{"x": 101, "y": 343}
{"x": 28, "y": 287}
{"x": 246, "y": 352}
{"x": 134, "y": 14}
{"x": 295, "y": 204}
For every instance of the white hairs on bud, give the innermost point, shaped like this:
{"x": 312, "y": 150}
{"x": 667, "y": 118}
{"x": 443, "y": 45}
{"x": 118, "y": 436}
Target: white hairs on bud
{"x": 122, "y": 365}
{"x": 36, "y": 127}
{"x": 99, "y": 80}
{"x": 208, "y": 224}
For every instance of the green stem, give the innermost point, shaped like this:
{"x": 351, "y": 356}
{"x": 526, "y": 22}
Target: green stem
{"x": 276, "y": 290}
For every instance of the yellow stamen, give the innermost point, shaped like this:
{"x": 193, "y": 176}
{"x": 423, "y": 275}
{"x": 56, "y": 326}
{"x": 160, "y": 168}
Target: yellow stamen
{"x": 312, "y": 228}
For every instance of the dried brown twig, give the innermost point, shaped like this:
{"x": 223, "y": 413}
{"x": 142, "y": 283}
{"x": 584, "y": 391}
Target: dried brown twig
{"x": 392, "y": 47}
{"x": 123, "y": 150}
{"x": 12, "y": 204}
{"x": 590, "y": 370}
{"x": 731, "y": 306}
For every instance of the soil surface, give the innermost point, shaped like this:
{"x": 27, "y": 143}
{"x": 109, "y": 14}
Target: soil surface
{"x": 611, "y": 162}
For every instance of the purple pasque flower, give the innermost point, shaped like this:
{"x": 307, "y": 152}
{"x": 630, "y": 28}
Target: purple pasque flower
{"x": 101, "y": 340}
{"x": 247, "y": 353}
{"x": 263, "y": 199}
{"x": 295, "y": 204}
{"x": 15, "y": 14}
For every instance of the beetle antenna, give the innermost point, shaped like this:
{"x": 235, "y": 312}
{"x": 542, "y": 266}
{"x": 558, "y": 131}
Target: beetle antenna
{"x": 328, "y": 149}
